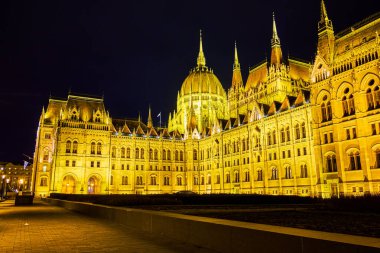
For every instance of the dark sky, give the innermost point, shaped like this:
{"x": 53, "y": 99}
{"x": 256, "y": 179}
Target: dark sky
{"x": 138, "y": 53}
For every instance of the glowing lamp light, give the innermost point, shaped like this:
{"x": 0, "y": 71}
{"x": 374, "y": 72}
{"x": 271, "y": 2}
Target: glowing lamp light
{"x": 7, "y": 180}
{"x": 21, "y": 181}
{"x": 3, "y": 176}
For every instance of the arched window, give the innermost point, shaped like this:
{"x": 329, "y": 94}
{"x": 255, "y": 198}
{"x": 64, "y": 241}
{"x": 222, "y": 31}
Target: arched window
{"x": 166, "y": 180}
{"x": 93, "y": 148}
{"x": 164, "y": 154}
{"x": 99, "y": 149}
{"x": 208, "y": 179}
{"x": 128, "y": 152}
{"x": 376, "y": 94}
{"x": 142, "y": 154}
{"x": 179, "y": 181}
{"x": 297, "y": 131}
{"x": 75, "y": 147}
{"x": 329, "y": 111}
{"x": 68, "y": 146}
{"x": 195, "y": 154}
{"x": 153, "y": 180}
{"x": 181, "y": 155}
{"x": 288, "y": 172}
{"x": 176, "y": 155}
{"x": 303, "y": 171}
{"x": 274, "y": 174}
{"x": 137, "y": 153}
{"x": 228, "y": 178}
{"x": 113, "y": 152}
{"x": 274, "y": 137}
{"x": 303, "y": 129}
{"x": 348, "y": 105}
{"x": 355, "y": 163}
{"x": 124, "y": 180}
{"x": 196, "y": 181}
{"x": 287, "y": 133}
{"x": 259, "y": 175}
{"x": 283, "y": 138}
{"x": 122, "y": 152}
{"x": 168, "y": 155}
{"x": 236, "y": 177}
{"x": 246, "y": 176}
{"x": 111, "y": 180}
{"x": 377, "y": 159}
{"x": 150, "y": 154}
{"x": 370, "y": 101}
{"x": 156, "y": 154}
{"x": 269, "y": 139}
{"x": 331, "y": 165}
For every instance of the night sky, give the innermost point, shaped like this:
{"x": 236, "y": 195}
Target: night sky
{"x": 137, "y": 53}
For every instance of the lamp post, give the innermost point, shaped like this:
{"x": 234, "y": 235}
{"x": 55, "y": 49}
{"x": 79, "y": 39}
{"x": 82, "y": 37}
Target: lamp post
{"x": 2, "y": 187}
{"x": 7, "y": 182}
{"x": 21, "y": 182}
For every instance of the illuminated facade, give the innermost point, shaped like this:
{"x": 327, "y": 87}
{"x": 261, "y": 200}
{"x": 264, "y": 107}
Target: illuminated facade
{"x": 292, "y": 129}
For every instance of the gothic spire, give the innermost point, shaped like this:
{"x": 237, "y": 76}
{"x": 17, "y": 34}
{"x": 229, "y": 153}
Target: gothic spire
{"x": 237, "y": 80}
{"x": 201, "y": 60}
{"x": 324, "y": 23}
{"x": 150, "y": 121}
{"x": 276, "y": 53}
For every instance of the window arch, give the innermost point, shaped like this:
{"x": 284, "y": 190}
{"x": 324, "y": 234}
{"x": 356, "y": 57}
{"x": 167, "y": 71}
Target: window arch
{"x": 181, "y": 155}
{"x": 113, "y": 152}
{"x": 303, "y": 129}
{"x": 164, "y": 154}
{"x": 93, "y": 146}
{"x": 348, "y": 105}
{"x": 195, "y": 154}
{"x": 122, "y": 152}
{"x": 274, "y": 137}
{"x": 142, "y": 153}
{"x": 179, "y": 181}
{"x": 287, "y": 133}
{"x": 377, "y": 158}
{"x": 354, "y": 158}
{"x": 176, "y": 155}
{"x": 297, "y": 131}
{"x": 150, "y": 154}
{"x": 168, "y": 155}
{"x": 288, "y": 172}
{"x": 331, "y": 165}
{"x": 68, "y": 147}
{"x": 137, "y": 153}
{"x": 196, "y": 180}
{"x": 99, "y": 148}
{"x": 304, "y": 171}
{"x": 228, "y": 178}
{"x": 283, "y": 138}
{"x": 128, "y": 152}
{"x": 46, "y": 155}
{"x": 124, "y": 180}
{"x": 236, "y": 177}
{"x": 260, "y": 175}
{"x": 75, "y": 147}
{"x": 274, "y": 173}
{"x": 156, "y": 154}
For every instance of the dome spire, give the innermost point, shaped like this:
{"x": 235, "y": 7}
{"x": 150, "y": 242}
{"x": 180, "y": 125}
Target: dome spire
{"x": 275, "y": 39}
{"x": 201, "y": 60}
{"x": 237, "y": 80}
{"x": 150, "y": 121}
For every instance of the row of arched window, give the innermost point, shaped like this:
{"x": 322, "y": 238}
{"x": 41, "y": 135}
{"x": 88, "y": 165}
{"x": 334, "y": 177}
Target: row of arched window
{"x": 153, "y": 154}
{"x": 299, "y": 132}
{"x": 71, "y": 147}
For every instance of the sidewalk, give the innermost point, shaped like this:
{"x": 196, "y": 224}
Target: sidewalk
{"x": 45, "y": 228}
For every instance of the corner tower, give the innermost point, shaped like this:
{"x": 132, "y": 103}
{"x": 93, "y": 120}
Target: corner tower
{"x": 326, "y": 38}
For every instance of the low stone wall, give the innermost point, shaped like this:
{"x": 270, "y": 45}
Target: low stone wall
{"x": 225, "y": 235}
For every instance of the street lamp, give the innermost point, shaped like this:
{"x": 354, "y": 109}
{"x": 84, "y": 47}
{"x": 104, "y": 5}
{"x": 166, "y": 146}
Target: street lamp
{"x": 2, "y": 187}
{"x": 21, "y": 182}
{"x": 7, "y": 182}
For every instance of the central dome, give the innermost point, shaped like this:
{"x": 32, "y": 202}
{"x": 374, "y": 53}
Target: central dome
{"x": 202, "y": 80}
{"x": 201, "y": 100}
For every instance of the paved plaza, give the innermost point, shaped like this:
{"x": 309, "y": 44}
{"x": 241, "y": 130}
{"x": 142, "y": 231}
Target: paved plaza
{"x": 45, "y": 228}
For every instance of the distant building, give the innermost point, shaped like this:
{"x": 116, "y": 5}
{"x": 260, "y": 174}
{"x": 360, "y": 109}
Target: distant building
{"x": 15, "y": 176}
{"x": 293, "y": 129}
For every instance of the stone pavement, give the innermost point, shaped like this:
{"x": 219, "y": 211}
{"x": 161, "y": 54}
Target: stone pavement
{"x": 45, "y": 228}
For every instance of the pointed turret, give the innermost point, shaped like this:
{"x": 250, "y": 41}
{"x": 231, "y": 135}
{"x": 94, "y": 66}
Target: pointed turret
{"x": 276, "y": 53}
{"x": 326, "y": 38}
{"x": 201, "y": 60}
{"x": 237, "y": 80}
{"x": 150, "y": 121}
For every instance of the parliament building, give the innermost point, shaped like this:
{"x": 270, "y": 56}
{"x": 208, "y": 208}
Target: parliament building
{"x": 292, "y": 128}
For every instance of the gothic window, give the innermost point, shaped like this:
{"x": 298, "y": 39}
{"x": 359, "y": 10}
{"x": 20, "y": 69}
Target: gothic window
{"x": 355, "y": 163}
{"x": 195, "y": 180}
{"x": 122, "y": 152}
{"x": 150, "y": 154}
{"x": 156, "y": 154}
{"x": 179, "y": 180}
{"x": 208, "y": 179}
{"x": 124, "y": 180}
{"x": 181, "y": 156}
{"x": 329, "y": 111}
{"x": 287, "y": 133}
{"x": 303, "y": 171}
{"x": 228, "y": 178}
{"x": 99, "y": 149}
{"x": 377, "y": 154}
{"x": 288, "y": 172}
{"x": 168, "y": 155}
{"x": 153, "y": 180}
{"x": 142, "y": 154}
{"x": 164, "y": 154}
{"x": 259, "y": 175}
{"x": 68, "y": 146}
{"x": 282, "y": 135}
{"x": 303, "y": 128}
{"x": 218, "y": 179}
{"x": 376, "y": 94}
{"x": 195, "y": 155}
{"x": 43, "y": 181}
{"x": 139, "y": 180}
{"x": 137, "y": 153}
{"x": 237, "y": 177}
{"x": 113, "y": 152}
{"x": 75, "y": 147}
{"x": 274, "y": 174}
{"x": 202, "y": 180}
{"x": 297, "y": 131}
{"x": 331, "y": 165}
{"x": 269, "y": 139}
{"x": 246, "y": 176}
{"x": 274, "y": 137}
{"x": 176, "y": 155}
{"x": 166, "y": 180}
{"x": 128, "y": 152}
{"x": 92, "y": 148}
{"x": 371, "y": 103}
